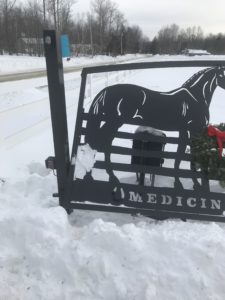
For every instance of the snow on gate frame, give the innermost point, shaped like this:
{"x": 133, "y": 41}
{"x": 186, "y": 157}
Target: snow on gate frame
{"x": 112, "y": 195}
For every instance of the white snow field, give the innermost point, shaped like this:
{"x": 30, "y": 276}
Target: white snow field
{"x": 47, "y": 255}
{"x": 16, "y": 64}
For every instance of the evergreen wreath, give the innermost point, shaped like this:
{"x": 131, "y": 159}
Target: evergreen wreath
{"x": 206, "y": 157}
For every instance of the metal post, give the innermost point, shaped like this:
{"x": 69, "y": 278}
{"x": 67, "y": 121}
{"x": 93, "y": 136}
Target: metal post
{"x": 58, "y": 108}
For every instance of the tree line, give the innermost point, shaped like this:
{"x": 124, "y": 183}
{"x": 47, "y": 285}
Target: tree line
{"x": 173, "y": 40}
{"x": 102, "y": 30}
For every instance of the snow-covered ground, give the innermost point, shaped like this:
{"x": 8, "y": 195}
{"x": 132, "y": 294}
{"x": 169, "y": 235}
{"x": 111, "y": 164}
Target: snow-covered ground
{"x": 45, "y": 254}
{"x": 14, "y": 64}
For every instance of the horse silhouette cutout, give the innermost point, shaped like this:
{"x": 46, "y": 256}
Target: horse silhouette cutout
{"x": 185, "y": 109}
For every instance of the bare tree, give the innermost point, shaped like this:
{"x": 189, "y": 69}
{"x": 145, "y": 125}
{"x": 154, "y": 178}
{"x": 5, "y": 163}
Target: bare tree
{"x": 60, "y": 11}
{"x": 90, "y": 21}
{"x": 167, "y": 39}
{"x": 6, "y": 7}
{"x": 104, "y": 11}
{"x": 44, "y": 11}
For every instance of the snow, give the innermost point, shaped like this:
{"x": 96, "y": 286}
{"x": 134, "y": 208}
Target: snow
{"x": 195, "y": 52}
{"x": 19, "y": 64}
{"x": 46, "y": 254}
{"x": 16, "y": 64}
{"x": 84, "y": 161}
{"x": 149, "y": 130}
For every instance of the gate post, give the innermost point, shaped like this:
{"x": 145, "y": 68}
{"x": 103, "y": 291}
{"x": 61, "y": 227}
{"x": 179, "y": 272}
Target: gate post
{"x": 58, "y": 108}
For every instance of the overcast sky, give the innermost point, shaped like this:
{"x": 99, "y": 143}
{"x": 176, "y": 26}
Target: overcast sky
{"x": 151, "y": 15}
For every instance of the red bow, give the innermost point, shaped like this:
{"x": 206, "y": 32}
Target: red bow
{"x": 220, "y": 136}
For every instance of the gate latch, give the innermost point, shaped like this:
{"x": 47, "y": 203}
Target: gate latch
{"x": 50, "y": 163}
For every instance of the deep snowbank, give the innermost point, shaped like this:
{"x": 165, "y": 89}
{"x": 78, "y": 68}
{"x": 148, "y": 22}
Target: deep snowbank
{"x": 46, "y": 255}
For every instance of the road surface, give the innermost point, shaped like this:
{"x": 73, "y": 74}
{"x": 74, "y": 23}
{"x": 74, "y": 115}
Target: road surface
{"x": 42, "y": 72}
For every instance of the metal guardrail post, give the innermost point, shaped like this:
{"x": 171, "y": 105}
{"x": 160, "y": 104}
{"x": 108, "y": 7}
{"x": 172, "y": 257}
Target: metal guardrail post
{"x": 58, "y": 108}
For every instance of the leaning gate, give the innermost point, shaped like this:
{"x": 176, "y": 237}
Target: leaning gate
{"x": 131, "y": 147}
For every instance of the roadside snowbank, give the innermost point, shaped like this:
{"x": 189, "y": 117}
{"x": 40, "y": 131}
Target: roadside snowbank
{"x": 14, "y": 64}
{"x": 10, "y": 64}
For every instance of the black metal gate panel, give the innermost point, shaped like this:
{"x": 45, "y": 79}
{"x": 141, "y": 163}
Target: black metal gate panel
{"x": 102, "y": 175}
{"x": 104, "y": 172}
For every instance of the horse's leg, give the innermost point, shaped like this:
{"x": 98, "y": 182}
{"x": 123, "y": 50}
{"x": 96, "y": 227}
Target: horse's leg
{"x": 182, "y": 144}
{"x": 183, "y": 141}
{"x": 109, "y": 131}
{"x": 205, "y": 182}
{"x": 196, "y": 184}
{"x": 117, "y": 190}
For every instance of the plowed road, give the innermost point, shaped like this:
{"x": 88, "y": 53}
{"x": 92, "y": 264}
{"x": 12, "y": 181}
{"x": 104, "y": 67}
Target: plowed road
{"x": 42, "y": 72}
{"x": 37, "y": 73}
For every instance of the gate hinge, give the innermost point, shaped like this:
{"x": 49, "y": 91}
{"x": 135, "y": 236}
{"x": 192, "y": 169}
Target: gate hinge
{"x": 50, "y": 163}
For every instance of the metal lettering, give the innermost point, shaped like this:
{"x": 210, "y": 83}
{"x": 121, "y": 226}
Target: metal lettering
{"x": 135, "y": 197}
{"x": 166, "y": 200}
{"x": 151, "y": 198}
{"x": 179, "y": 201}
{"x": 215, "y": 204}
{"x": 189, "y": 202}
{"x": 203, "y": 202}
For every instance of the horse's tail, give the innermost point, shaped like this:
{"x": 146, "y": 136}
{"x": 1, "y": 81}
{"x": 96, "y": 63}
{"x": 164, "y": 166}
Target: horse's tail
{"x": 94, "y": 120}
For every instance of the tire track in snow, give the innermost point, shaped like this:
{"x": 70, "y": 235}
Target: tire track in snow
{"x": 42, "y": 72}
{"x": 15, "y": 133}
{"x": 15, "y": 138}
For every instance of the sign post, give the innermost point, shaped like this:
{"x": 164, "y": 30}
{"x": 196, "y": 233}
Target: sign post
{"x": 58, "y": 108}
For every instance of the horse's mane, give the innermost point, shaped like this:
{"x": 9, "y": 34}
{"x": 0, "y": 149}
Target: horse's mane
{"x": 191, "y": 80}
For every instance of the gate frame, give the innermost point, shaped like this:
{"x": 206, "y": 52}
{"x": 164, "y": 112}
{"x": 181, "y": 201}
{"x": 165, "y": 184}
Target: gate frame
{"x": 64, "y": 164}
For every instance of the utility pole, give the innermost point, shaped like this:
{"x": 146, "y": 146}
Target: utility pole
{"x": 121, "y": 43}
{"x": 91, "y": 34}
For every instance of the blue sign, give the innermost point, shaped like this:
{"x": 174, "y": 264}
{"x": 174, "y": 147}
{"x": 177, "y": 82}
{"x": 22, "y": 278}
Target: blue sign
{"x": 65, "y": 45}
